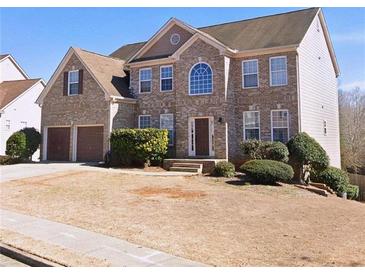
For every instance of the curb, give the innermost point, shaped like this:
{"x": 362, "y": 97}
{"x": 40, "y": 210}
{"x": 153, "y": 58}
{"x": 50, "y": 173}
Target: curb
{"x": 26, "y": 258}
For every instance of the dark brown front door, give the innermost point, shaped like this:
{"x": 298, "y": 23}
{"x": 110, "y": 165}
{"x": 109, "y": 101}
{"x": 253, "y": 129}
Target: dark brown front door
{"x": 58, "y": 144}
{"x": 202, "y": 137}
{"x": 89, "y": 144}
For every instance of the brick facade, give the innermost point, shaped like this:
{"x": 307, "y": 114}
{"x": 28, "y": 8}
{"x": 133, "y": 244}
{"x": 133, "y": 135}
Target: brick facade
{"x": 225, "y": 104}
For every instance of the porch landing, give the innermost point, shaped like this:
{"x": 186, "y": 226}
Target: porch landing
{"x": 208, "y": 164}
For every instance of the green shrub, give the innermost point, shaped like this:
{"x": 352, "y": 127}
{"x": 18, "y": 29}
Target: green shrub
{"x": 352, "y": 192}
{"x": 33, "y": 140}
{"x": 8, "y": 160}
{"x": 267, "y": 171}
{"x": 224, "y": 169}
{"x": 306, "y": 152}
{"x": 16, "y": 145}
{"x": 258, "y": 150}
{"x": 335, "y": 178}
{"x": 137, "y": 146}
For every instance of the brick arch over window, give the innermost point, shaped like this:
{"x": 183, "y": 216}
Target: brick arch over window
{"x": 200, "y": 79}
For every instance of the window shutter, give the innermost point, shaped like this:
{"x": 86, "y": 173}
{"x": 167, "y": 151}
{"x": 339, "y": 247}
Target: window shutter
{"x": 81, "y": 80}
{"x": 65, "y": 83}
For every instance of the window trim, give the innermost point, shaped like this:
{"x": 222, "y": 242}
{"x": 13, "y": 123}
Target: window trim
{"x": 243, "y": 74}
{"x": 139, "y": 119}
{"x": 244, "y": 124}
{"x": 172, "y": 78}
{"x": 201, "y": 94}
{"x": 69, "y": 82}
{"x": 271, "y": 125}
{"x": 139, "y": 80}
{"x": 7, "y": 125}
{"x": 173, "y": 127}
{"x": 286, "y": 70}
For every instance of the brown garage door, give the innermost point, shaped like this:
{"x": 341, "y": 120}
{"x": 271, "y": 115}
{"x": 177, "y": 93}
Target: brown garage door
{"x": 58, "y": 144}
{"x": 89, "y": 144}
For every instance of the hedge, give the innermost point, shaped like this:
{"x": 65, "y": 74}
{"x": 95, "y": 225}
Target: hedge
{"x": 258, "y": 150}
{"x": 267, "y": 171}
{"x": 138, "y": 146}
{"x": 224, "y": 169}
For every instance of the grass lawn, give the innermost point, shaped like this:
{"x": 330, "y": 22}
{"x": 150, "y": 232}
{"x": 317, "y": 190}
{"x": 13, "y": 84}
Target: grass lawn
{"x": 200, "y": 218}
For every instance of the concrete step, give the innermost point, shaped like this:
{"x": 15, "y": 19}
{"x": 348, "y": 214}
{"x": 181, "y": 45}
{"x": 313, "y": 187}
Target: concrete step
{"x": 186, "y": 169}
{"x": 195, "y": 165}
{"x": 314, "y": 190}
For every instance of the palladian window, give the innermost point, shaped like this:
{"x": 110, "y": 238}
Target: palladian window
{"x": 201, "y": 79}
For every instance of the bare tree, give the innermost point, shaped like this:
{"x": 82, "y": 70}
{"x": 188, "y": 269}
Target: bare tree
{"x": 352, "y": 128}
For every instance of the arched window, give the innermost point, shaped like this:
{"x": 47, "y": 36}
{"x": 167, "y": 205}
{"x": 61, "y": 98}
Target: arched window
{"x": 201, "y": 79}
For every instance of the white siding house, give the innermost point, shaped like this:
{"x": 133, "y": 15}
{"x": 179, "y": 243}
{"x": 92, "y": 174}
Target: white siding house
{"x": 17, "y": 101}
{"x": 318, "y": 93}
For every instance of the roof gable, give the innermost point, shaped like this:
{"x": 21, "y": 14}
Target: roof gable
{"x": 15, "y": 63}
{"x": 10, "y": 90}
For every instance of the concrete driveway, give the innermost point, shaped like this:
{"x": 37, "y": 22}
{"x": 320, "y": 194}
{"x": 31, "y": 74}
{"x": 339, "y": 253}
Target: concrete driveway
{"x": 20, "y": 171}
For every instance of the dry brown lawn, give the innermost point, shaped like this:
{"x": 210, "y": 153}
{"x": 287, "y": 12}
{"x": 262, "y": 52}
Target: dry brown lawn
{"x": 201, "y": 218}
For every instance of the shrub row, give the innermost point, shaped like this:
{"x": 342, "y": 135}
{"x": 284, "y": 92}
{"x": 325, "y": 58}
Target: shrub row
{"x": 138, "y": 146}
{"x": 22, "y": 144}
{"x": 258, "y": 150}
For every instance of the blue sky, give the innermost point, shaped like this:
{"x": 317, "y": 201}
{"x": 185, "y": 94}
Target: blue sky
{"x": 38, "y": 38}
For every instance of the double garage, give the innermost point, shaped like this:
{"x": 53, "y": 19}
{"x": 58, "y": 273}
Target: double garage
{"x": 80, "y": 143}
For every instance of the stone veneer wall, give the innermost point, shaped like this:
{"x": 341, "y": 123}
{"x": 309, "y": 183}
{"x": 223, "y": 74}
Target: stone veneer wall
{"x": 88, "y": 108}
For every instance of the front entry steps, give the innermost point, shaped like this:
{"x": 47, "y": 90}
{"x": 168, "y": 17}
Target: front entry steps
{"x": 319, "y": 189}
{"x": 187, "y": 167}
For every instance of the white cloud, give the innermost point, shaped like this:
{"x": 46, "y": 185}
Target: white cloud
{"x": 354, "y": 37}
{"x": 352, "y": 85}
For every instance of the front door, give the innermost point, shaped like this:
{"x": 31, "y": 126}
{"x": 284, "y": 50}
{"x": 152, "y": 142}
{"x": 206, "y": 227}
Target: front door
{"x": 202, "y": 137}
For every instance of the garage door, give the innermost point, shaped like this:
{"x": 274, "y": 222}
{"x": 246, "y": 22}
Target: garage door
{"x": 58, "y": 144}
{"x": 89, "y": 144}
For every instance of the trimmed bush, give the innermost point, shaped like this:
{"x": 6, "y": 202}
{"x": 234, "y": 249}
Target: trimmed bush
{"x": 267, "y": 171}
{"x": 224, "y": 169}
{"x": 33, "y": 141}
{"x": 306, "y": 152}
{"x": 335, "y": 178}
{"x": 138, "y": 146}
{"x": 258, "y": 150}
{"x": 352, "y": 192}
{"x": 16, "y": 145}
{"x": 7, "y": 160}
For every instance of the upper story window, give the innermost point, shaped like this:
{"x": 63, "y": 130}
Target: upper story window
{"x": 166, "y": 75}
{"x": 250, "y": 74}
{"x": 73, "y": 82}
{"x": 167, "y": 122}
{"x": 324, "y": 127}
{"x": 7, "y": 124}
{"x": 145, "y": 80}
{"x": 251, "y": 125}
{"x": 23, "y": 124}
{"x": 144, "y": 121}
{"x": 278, "y": 71}
{"x": 201, "y": 79}
{"x": 280, "y": 125}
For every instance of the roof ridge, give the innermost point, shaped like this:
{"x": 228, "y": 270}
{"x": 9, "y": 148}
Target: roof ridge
{"x": 255, "y": 18}
{"x": 19, "y": 80}
{"x": 102, "y": 55}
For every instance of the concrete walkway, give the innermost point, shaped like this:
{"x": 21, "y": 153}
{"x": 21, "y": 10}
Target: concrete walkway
{"x": 116, "y": 251}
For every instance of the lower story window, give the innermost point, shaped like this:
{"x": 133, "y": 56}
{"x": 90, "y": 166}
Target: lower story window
{"x": 144, "y": 121}
{"x": 251, "y": 125}
{"x": 167, "y": 122}
{"x": 280, "y": 125}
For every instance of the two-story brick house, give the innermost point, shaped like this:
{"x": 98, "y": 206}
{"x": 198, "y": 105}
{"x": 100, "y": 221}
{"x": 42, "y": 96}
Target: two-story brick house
{"x": 212, "y": 87}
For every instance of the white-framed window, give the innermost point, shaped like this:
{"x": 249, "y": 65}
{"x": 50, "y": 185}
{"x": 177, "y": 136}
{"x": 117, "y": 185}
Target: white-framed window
{"x": 280, "y": 125}
{"x": 144, "y": 121}
{"x": 167, "y": 122}
{"x": 200, "y": 79}
{"x": 166, "y": 78}
{"x": 7, "y": 124}
{"x": 145, "y": 80}
{"x": 23, "y": 124}
{"x": 324, "y": 127}
{"x": 250, "y": 73}
{"x": 251, "y": 125}
{"x": 278, "y": 71}
{"x": 73, "y": 82}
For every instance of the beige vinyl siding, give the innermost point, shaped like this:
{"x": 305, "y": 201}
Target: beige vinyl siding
{"x": 318, "y": 92}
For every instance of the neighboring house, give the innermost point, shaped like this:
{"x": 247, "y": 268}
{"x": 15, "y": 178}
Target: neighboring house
{"x": 18, "y": 94}
{"x": 212, "y": 87}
